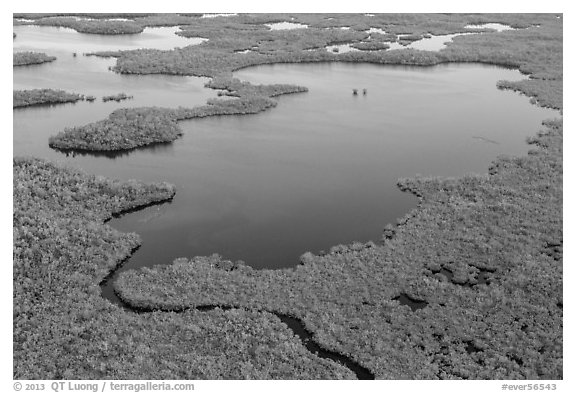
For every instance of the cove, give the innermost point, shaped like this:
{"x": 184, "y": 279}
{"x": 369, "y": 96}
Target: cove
{"x": 321, "y": 168}
{"x": 318, "y": 170}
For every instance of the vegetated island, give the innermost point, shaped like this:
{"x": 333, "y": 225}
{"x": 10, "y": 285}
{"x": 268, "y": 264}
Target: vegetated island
{"x": 124, "y": 129}
{"x": 29, "y": 58}
{"x": 129, "y": 128}
{"x": 466, "y": 286}
{"x": 117, "y": 97}
{"x": 92, "y": 26}
{"x": 370, "y": 45}
{"x": 24, "y": 98}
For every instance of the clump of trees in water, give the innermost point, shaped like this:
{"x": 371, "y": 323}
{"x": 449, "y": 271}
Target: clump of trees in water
{"x": 370, "y": 45}
{"x": 237, "y": 88}
{"x": 408, "y": 39}
{"x": 23, "y": 98}
{"x": 28, "y": 58}
{"x": 98, "y": 26}
{"x": 129, "y": 128}
{"x": 125, "y": 128}
{"x": 116, "y": 97}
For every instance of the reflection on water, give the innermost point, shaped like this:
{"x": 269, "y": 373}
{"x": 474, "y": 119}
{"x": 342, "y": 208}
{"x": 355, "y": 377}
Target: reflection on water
{"x": 318, "y": 170}
{"x": 496, "y": 26}
{"x": 62, "y": 40}
{"x": 341, "y": 48}
{"x": 285, "y": 26}
{"x": 216, "y": 15}
{"x": 88, "y": 75}
{"x": 154, "y": 148}
{"x": 375, "y": 30}
{"x": 434, "y": 42}
{"x": 429, "y": 42}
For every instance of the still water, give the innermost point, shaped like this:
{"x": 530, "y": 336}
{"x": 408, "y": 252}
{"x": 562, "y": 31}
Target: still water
{"x": 318, "y": 170}
{"x": 55, "y": 40}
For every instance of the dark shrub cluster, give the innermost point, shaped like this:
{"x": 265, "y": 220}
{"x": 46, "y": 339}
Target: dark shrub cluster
{"x": 125, "y": 128}
{"x": 109, "y": 27}
{"x": 28, "y": 58}
{"x": 116, "y": 97}
{"x": 370, "y": 45}
{"x": 22, "y": 98}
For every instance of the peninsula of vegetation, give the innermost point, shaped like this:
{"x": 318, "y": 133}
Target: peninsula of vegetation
{"x": 129, "y": 128}
{"x": 116, "y": 97}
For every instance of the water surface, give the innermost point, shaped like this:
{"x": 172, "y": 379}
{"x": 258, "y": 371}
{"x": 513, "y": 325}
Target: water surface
{"x": 318, "y": 170}
{"x": 62, "y": 40}
{"x": 496, "y": 26}
{"x": 285, "y": 26}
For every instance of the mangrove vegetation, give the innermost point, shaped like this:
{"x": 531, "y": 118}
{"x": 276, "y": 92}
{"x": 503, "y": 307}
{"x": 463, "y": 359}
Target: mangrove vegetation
{"x": 116, "y": 97}
{"x": 23, "y": 98}
{"x": 466, "y": 286}
{"x": 29, "y": 58}
{"x": 129, "y": 128}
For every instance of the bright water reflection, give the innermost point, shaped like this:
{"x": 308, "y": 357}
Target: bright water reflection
{"x": 61, "y": 40}
{"x": 285, "y": 26}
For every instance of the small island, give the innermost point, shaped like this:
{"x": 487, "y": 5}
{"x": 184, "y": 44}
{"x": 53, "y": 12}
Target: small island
{"x": 124, "y": 129}
{"x": 29, "y": 58}
{"x": 129, "y": 128}
{"x": 24, "y": 98}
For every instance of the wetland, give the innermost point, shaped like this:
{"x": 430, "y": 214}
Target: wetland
{"x": 294, "y": 191}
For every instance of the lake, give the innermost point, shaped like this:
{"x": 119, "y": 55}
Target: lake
{"x": 318, "y": 170}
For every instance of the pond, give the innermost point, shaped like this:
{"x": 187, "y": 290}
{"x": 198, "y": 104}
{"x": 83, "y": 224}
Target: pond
{"x": 318, "y": 170}
{"x": 429, "y": 42}
{"x": 285, "y": 26}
